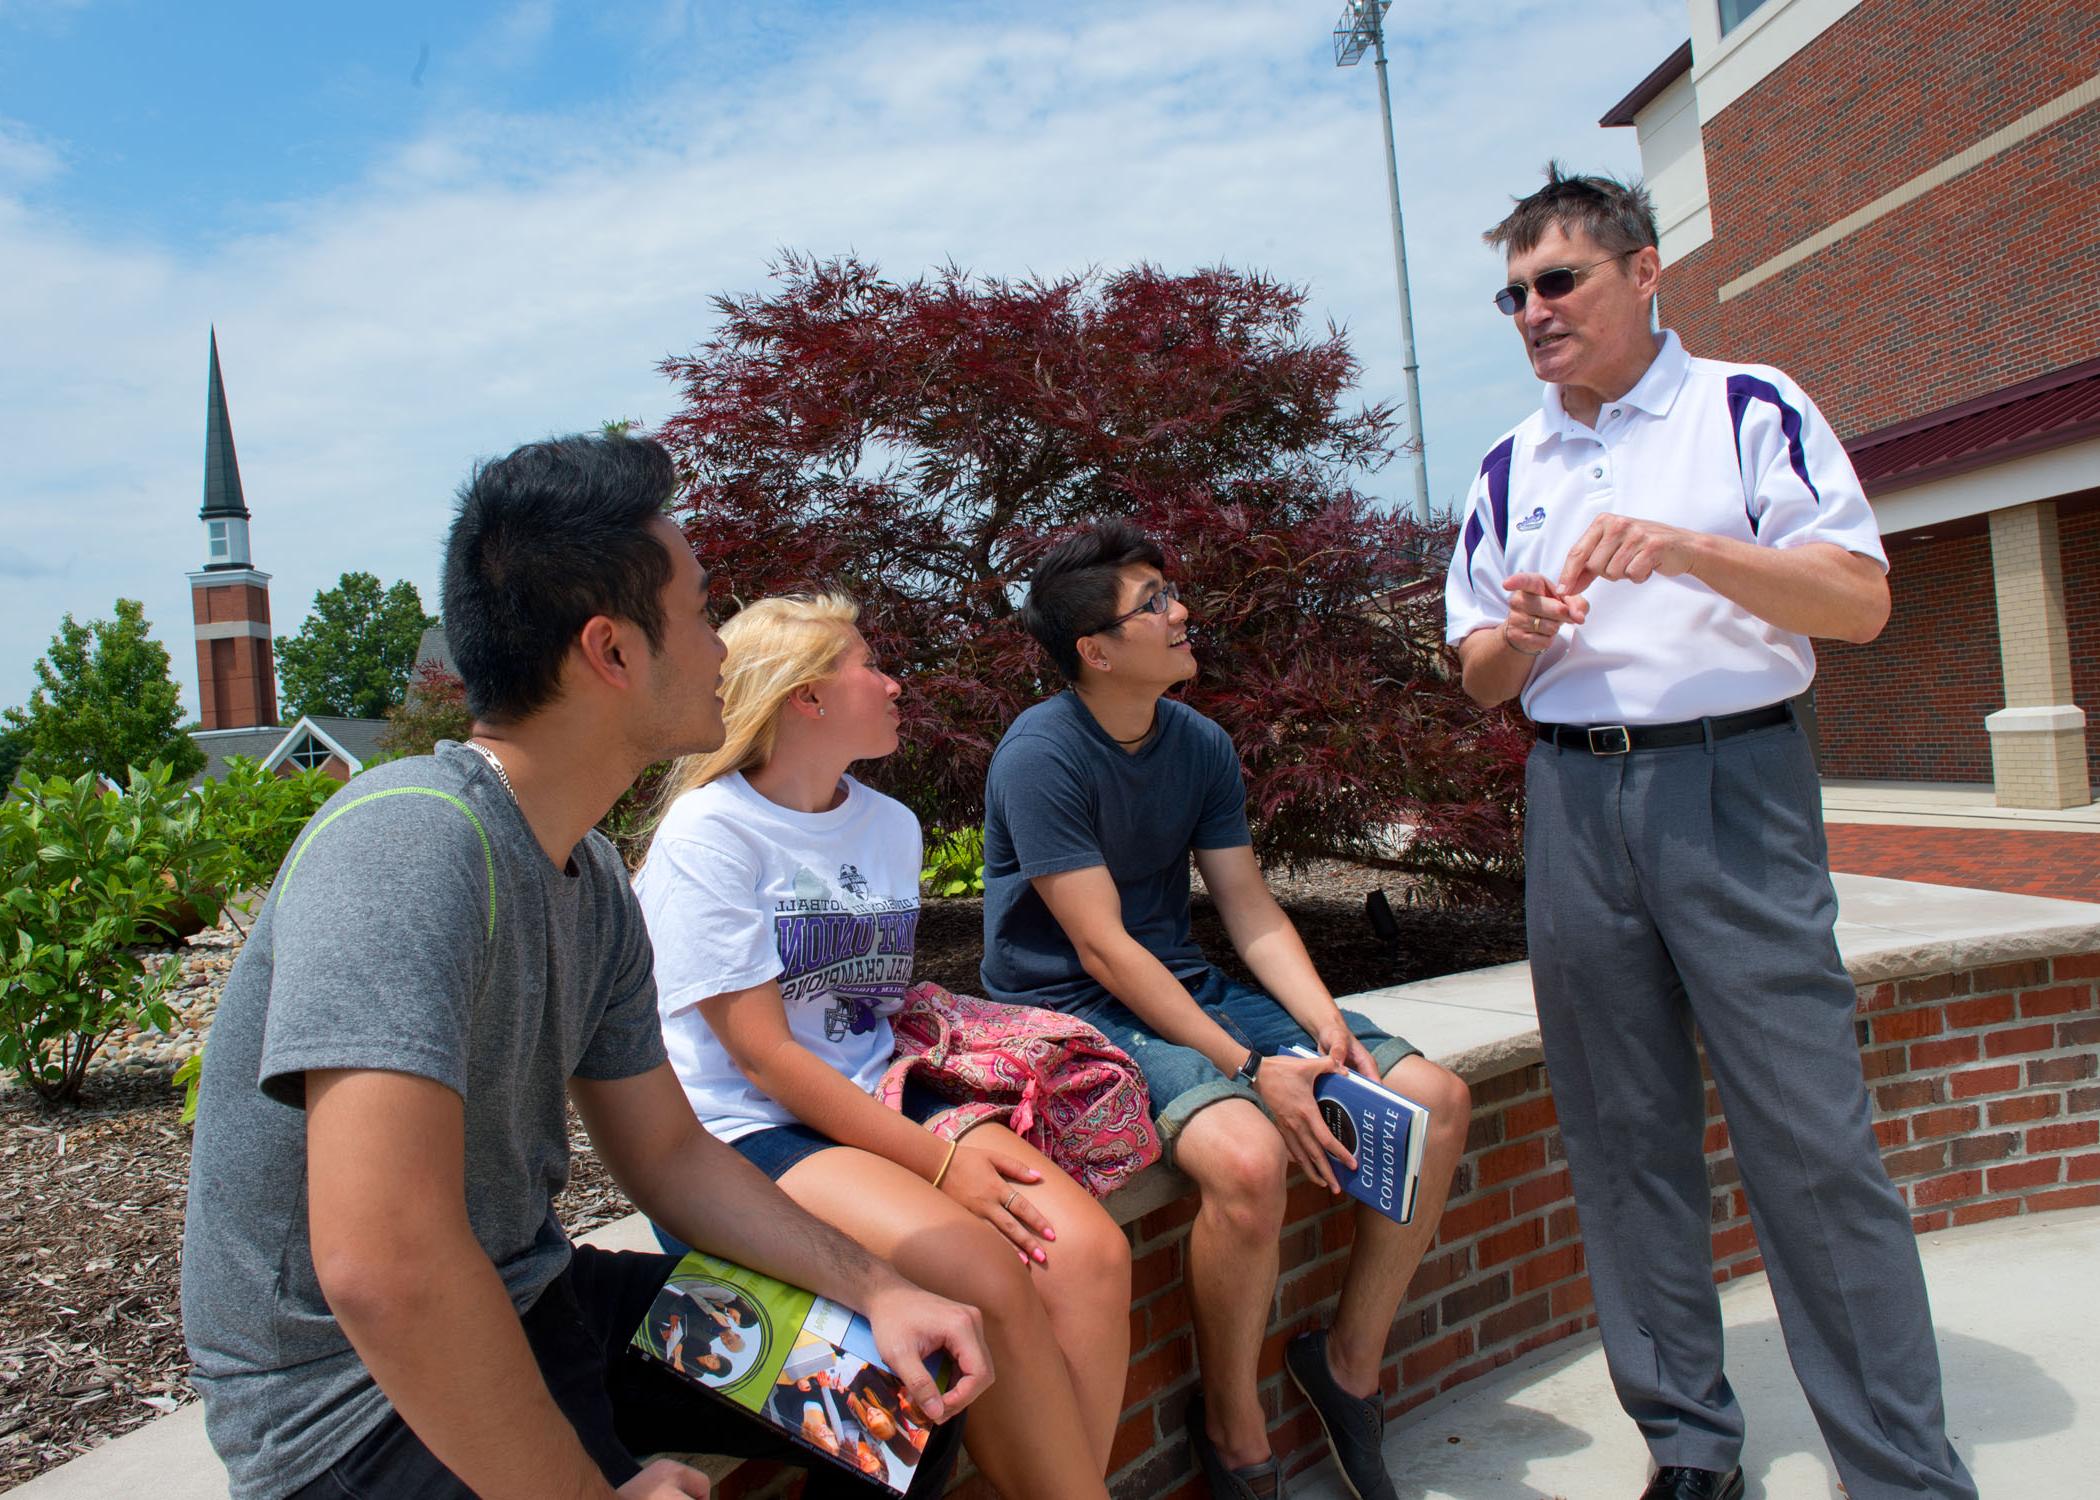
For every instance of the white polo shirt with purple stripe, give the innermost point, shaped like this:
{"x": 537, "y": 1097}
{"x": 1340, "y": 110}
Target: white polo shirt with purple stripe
{"x": 1734, "y": 450}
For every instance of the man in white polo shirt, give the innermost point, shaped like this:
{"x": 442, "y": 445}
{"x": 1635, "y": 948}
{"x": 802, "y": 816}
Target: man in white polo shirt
{"x": 1644, "y": 560}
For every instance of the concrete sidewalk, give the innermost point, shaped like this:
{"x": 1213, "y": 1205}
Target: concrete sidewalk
{"x": 2018, "y": 1331}
{"x": 1939, "y": 804}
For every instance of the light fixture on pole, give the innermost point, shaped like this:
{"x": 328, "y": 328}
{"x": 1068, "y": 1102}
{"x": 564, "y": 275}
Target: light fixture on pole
{"x": 1361, "y": 29}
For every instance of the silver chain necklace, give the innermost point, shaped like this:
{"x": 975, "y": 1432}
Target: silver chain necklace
{"x": 494, "y": 765}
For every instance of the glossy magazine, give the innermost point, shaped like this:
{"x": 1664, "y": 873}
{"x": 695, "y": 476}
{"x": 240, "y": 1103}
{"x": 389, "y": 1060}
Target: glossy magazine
{"x": 806, "y": 1365}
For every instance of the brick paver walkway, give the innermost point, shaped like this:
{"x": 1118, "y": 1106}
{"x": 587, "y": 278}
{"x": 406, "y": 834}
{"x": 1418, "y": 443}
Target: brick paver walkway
{"x": 2065, "y": 865}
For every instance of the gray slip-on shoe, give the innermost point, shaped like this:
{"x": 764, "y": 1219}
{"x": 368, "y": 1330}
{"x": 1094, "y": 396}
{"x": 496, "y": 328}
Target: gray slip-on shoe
{"x": 1355, "y": 1425}
{"x": 1262, "y": 1482}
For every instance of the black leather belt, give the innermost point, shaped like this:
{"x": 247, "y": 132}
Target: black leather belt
{"x": 1618, "y": 739}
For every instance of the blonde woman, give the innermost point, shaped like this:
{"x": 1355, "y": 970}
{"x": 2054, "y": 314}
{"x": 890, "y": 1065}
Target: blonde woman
{"x": 782, "y": 898}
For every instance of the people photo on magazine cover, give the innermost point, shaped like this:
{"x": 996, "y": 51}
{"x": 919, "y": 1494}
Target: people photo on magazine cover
{"x": 854, "y": 1410}
{"x": 707, "y": 1330}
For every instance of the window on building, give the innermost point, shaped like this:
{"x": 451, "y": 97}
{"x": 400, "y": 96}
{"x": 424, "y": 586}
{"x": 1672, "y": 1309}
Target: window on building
{"x": 1735, "y": 12}
{"x": 309, "y": 753}
{"x": 221, "y": 545}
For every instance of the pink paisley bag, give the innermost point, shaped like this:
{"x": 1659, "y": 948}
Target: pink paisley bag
{"x": 1051, "y": 1079}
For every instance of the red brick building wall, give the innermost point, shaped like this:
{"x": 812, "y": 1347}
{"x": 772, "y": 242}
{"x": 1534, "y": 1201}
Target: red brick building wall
{"x": 236, "y": 682}
{"x": 1910, "y": 705}
{"x": 220, "y": 602}
{"x": 2078, "y": 531}
{"x": 1953, "y": 295}
{"x": 236, "y": 675}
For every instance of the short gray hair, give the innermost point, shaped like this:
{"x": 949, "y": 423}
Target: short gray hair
{"x": 1618, "y": 215}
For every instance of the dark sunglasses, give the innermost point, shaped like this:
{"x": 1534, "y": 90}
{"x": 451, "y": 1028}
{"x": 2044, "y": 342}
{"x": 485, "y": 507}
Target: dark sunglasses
{"x": 1155, "y": 604}
{"x": 1551, "y": 285}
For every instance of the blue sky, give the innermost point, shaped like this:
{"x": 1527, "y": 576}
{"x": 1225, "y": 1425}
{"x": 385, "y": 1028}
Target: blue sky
{"x": 427, "y": 233}
{"x": 188, "y": 123}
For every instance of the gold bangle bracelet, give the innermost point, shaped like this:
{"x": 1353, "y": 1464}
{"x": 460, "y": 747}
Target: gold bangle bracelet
{"x": 946, "y": 1161}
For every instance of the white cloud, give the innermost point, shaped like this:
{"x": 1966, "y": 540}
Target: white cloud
{"x": 25, "y": 161}
{"x": 503, "y": 277}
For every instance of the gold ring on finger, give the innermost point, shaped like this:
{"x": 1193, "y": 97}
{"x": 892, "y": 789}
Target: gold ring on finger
{"x": 1008, "y": 1204}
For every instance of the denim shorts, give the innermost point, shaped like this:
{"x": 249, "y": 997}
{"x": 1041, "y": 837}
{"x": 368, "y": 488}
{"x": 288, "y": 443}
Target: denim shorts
{"x": 777, "y": 1147}
{"x": 1182, "y": 1080}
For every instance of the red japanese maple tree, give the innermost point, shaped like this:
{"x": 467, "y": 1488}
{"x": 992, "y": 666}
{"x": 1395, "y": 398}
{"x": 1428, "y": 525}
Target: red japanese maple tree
{"x": 920, "y": 443}
{"x": 434, "y": 708}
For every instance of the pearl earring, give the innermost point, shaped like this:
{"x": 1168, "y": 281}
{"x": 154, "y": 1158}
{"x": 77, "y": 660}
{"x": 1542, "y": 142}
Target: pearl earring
{"x": 820, "y": 710}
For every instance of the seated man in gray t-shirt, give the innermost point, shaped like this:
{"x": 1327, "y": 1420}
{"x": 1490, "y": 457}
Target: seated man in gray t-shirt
{"x": 376, "y": 1293}
{"x": 1095, "y": 801}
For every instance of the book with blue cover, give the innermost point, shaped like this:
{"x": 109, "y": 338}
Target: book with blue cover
{"x": 1383, "y": 1130}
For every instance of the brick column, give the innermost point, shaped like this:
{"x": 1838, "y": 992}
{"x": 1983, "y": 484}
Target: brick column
{"x": 2038, "y": 738}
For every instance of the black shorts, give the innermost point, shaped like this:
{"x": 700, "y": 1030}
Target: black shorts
{"x": 620, "y": 1404}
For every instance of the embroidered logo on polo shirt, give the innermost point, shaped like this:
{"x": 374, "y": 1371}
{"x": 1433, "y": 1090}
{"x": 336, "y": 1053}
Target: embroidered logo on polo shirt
{"x": 1535, "y": 520}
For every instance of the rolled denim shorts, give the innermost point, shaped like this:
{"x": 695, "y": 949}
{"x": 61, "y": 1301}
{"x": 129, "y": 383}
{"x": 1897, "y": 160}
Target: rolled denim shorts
{"x": 777, "y": 1147}
{"x": 1182, "y": 1080}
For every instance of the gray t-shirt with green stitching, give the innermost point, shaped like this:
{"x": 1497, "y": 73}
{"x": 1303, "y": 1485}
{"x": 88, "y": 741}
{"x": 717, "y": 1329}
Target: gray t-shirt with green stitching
{"x": 416, "y": 927}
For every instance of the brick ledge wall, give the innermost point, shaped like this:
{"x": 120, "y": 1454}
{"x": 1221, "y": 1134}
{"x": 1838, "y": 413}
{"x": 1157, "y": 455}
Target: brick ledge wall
{"x": 1985, "y": 1076}
{"x": 1986, "y": 1084}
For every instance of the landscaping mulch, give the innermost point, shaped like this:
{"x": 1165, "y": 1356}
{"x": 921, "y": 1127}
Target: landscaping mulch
{"x": 91, "y": 1209}
{"x": 90, "y": 1238}
{"x": 91, "y": 1199}
{"x": 1326, "y": 904}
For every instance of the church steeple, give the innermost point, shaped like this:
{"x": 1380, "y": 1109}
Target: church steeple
{"x": 225, "y": 513}
{"x": 236, "y": 675}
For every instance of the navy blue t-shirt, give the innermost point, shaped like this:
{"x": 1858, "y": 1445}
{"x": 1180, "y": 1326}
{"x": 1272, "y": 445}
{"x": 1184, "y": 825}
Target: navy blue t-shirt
{"x": 1062, "y": 795}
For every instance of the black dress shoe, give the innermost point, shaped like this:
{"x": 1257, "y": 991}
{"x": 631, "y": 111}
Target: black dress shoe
{"x": 1676, "y": 1482}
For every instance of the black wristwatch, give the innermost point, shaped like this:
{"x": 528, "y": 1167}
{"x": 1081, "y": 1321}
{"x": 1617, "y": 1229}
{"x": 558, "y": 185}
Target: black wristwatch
{"x": 1248, "y": 1069}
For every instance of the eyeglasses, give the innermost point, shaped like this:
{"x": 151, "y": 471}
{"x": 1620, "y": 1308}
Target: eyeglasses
{"x": 1155, "y": 604}
{"x": 1552, "y": 284}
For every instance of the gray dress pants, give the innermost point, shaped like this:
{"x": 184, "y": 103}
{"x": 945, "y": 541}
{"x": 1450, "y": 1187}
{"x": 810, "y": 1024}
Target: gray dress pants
{"x": 1690, "y": 887}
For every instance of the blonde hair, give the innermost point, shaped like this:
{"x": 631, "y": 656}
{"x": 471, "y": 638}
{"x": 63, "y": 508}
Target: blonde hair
{"x": 775, "y": 646}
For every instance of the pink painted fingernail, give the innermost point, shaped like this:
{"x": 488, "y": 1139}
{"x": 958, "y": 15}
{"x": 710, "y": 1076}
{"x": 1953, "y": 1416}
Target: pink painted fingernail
{"x": 1040, "y": 1258}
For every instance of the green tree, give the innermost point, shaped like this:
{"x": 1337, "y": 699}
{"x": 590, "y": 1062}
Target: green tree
{"x": 352, "y": 656}
{"x": 104, "y": 702}
{"x": 10, "y": 758}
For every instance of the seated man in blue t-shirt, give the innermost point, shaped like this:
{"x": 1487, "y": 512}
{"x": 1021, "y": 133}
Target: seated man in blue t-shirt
{"x": 1094, "y": 802}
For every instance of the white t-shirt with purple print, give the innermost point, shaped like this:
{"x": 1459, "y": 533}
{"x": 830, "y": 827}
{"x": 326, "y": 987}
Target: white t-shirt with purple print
{"x": 738, "y": 890}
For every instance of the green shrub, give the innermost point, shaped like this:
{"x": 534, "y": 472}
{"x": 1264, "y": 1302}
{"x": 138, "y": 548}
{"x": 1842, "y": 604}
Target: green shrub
{"x": 954, "y": 863}
{"x": 189, "y": 1078}
{"x": 255, "y": 815}
{"x": 90, "y": 877}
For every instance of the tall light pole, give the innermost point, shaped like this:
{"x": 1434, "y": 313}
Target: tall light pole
{"x": 1361, "y": 29}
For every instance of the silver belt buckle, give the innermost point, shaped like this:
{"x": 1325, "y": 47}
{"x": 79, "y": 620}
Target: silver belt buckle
{"x": 1609, "y": 739}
